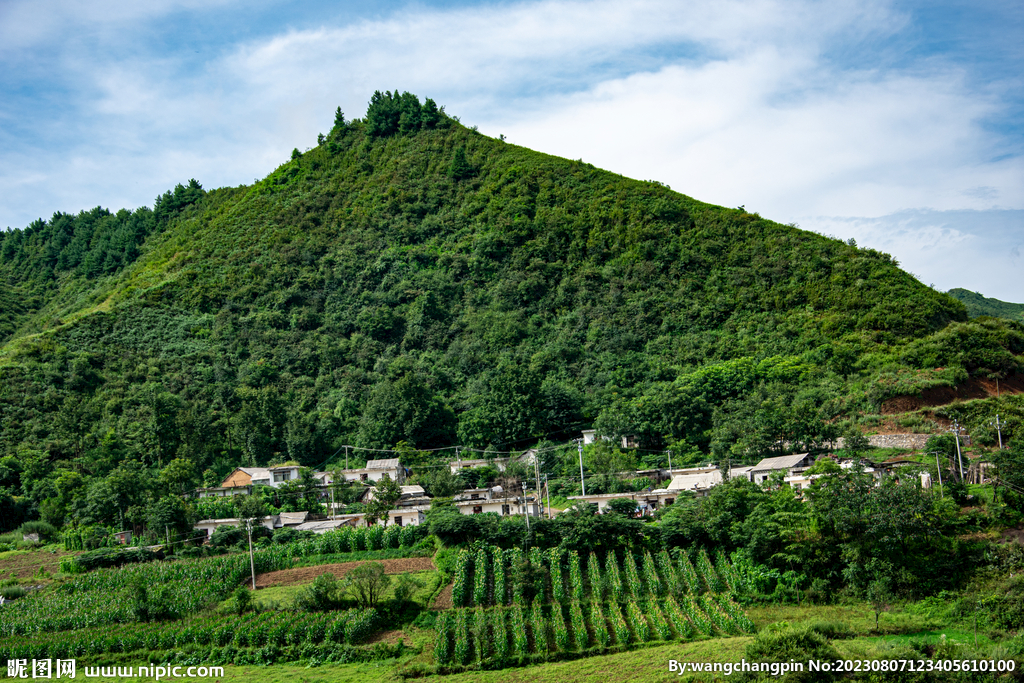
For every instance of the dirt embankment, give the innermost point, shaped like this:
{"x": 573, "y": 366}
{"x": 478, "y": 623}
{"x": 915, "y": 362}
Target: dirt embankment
{"x": 975, "y": 387}
{"x": 300, "y": 575}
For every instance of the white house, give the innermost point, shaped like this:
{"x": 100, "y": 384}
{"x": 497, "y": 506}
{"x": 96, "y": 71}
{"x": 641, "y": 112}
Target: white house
{"x": 375, "y": 469}
{"x": 791, "y": 464}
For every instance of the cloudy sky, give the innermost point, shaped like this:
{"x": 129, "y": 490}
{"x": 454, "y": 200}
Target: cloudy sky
{"x": 900, "y": 124}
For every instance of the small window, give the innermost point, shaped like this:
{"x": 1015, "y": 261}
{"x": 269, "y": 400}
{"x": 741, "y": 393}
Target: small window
{"x": 363, "y": 477}
{"x": 504, "y": 509}
{"x": 477, "y": 509}
{"x": 669, "y": 501}
{"x": 474, "y": 496}
{"x": 398, "y": 521}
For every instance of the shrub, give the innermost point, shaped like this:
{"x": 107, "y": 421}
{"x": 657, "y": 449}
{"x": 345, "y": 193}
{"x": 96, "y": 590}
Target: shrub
{"x": 12, "y": 592}
{"x": 799, "y": 645}
{"x": 319, "y": 596}
{"x": 368, "y": 583}
{"x": 47, "y": 532}
{"x": 111, "y": 557}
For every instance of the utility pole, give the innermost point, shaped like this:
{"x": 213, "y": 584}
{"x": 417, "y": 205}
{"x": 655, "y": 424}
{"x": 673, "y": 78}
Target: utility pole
{"x": 956, "y": 434}
{"x": 938, "y": 469}
{"x": 999, "y": 430}
{"x": 536, "y": 473}
{"x": 583, "y": 484}
{"x": 252, "y": 562}
{"x": 670, "y": 462}
{"x": 346, "y": 457}
{"x": 526, "y": 508}
{"x": 547, "y": 490}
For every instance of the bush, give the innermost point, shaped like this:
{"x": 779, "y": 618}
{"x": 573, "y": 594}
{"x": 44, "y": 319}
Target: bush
{"x": 321, "y": 595}
{"x": 111, "y": 557}
{"x": 799, "y": 645}
{"x": 47, "y": 532}
{"x": 12, "y": 592}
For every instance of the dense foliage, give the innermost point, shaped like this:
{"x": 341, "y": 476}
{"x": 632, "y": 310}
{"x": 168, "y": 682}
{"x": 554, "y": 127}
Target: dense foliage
{"x": 410, "y": 280}
{"x": 978, "y": 305}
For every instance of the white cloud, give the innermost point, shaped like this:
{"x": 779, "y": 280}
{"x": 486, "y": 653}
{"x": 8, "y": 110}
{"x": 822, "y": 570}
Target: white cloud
{"x": 734, "y": 102}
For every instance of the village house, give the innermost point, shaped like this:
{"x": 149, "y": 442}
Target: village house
{"x": 792, "y": 465}
{"x": 375, "y": 469}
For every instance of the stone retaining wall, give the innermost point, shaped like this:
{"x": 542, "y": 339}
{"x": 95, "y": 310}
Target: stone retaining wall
{"x": 914, "y": 441}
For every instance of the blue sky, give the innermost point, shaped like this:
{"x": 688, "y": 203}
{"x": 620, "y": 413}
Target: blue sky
{"x": 899, "y": 124}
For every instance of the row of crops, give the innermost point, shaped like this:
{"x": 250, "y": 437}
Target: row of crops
{"x": 499, "y": 634}
{"x": 110, "y": 596}
{"x": 251, "y": 631}
{"x": 350, "y": 540}
{"x": 490, "y": 575}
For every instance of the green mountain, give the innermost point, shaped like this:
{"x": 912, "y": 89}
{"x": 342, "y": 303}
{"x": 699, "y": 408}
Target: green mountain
{"x": 410, "y": 279}
{"x": 978, "y": 305}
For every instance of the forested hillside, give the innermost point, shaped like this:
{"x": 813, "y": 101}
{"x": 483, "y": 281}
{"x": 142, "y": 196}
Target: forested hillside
{"x": 978, "y": 305}
{"x": 409, "y": 279}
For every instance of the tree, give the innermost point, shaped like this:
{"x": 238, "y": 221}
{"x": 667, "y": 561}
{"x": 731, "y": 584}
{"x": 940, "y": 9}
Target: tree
{"x": 623, "y": 506}
{"x": 441, "y": 483}
{"x": 386, "y": 493}
{"x": 460, "y": 168}
{"x": 178, "y": 476}
{"x": 368, "y": 583}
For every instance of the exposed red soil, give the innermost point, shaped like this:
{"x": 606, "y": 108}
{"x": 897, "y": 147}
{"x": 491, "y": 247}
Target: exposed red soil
{"x": 300, "y": 575}
{"x": 389, "y": 637}
{"x": 975, "y": 387}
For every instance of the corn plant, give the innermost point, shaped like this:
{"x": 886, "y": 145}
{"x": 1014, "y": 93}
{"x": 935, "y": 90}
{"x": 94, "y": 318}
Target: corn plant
{"x": 579, "y": 626}
{"x": 557, "y": 581}
{"x": 537, "y": 563}
{"x": 651, "y": 575}
{"x": 598, "y": 623}
{"x": 722, "y": 621}
{"x": 558, "y": 626}
{"x": 515, "y": 562}
{"x": 613, "y": 577}
{"x": 638, "y": 622}
{"x": 618, "y": 624}
{"x": 633, "y": 586}
{"x": 480, "y": 577}
{"x": 520, "y": 641}
{"x": 540, "y": 635}
{"x": 461, "y": 578}
{"x": 736, "y": 612}
{"x": 575, "y": 576}
{"x": 498, "y": 564}
{"x": 728, "y": 572}
{"x": 697, "y": 617}
{"x": 672, "y": 584}
{"x": 392, "y": 536}
{"x": 480, "y": 640}
{"x": 462, "y": 642}
{"x": 711, "y": 579}
{"x": 375, "y": 537}
{"x": 499, "y": 634}
{"x": 658, "y": 621}
{"x": 596, "y": 580}
{"x": 442, "y": 641}
{"x": 682, "y": 625}
{"x": 687, "y": 574}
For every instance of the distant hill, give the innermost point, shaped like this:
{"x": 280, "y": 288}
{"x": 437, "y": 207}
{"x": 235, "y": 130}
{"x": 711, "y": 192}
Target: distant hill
{"x": 410, "y": 279}
{"x": 978, "y": 305}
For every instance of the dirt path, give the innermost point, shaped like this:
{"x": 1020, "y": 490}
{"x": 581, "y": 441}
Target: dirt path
{"x": 443, "y": 599}
{"x": 292, "y": 577}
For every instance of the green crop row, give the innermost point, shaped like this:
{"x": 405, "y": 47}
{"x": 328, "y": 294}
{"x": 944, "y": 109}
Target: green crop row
{"x": 254, "y": 630}
{"x": 500, "y": 633}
